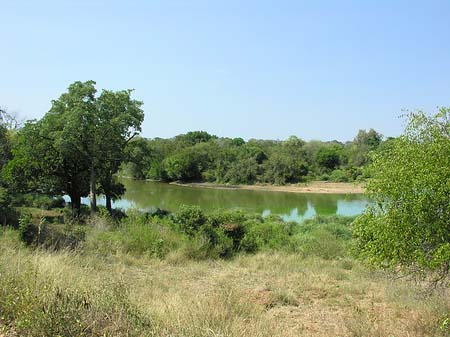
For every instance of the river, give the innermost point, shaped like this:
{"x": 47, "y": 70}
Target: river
{"x": 148, "y": 195}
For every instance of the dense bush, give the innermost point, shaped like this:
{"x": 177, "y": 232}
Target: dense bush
{"x": 408, "y": 225}
{"x": 190, "y": 219}
{"x": 234, "y": 161}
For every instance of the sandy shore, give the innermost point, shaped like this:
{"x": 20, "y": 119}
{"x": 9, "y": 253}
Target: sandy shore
{"x": 312, "y": 187}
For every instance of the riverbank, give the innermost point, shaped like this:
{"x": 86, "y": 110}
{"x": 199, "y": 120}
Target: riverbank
{"x": 319, "y": 187}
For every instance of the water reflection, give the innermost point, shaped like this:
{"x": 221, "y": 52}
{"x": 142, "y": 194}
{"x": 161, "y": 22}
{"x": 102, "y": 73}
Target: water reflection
{"x": 147, "y": 196}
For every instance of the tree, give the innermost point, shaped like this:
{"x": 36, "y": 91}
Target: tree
{"x": 409, "y": 223}
{"x": 50, "y": 157}
{"x": 119, "y": 120}
{"x": 7, "y": 213}
{"x": 364, "y": 142}
{"x": 329, "y": 157}
{"x": 138, "y": 158}
{"x": 9, "y": 120}
{"x": 79, "y": 140}
{"x": 370, "y": 139}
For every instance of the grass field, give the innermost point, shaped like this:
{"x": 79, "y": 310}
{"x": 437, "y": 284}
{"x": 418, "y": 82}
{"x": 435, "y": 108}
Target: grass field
{"x": 273, "y": 292}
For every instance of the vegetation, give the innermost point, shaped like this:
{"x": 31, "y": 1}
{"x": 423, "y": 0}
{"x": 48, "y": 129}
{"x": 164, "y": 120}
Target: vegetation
{"x": 7, "y": 212}
{"x": 70, "y": 272}
{"x": 409, "y": 223}
{"x": 199, "y": 156}
{"x": 77, "y": 145}
{"x": 145, "y": 275}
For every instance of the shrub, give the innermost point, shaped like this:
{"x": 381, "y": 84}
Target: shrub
{"x": 190, "y": 219}
{"x": 339, "y": 176}
{"x": 408, "y": 225}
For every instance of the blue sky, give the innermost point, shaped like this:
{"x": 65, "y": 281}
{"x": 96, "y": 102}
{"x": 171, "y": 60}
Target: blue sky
{"x": 254, "y": 69}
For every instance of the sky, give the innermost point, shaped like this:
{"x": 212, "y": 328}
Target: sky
{"x": 252, "y": 69}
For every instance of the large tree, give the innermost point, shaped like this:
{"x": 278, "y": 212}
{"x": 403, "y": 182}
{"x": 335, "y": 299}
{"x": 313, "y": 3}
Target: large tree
{"x": 409, "y": 223}
{"x": 119, "y": 121}
{"x": 79, "y": 142}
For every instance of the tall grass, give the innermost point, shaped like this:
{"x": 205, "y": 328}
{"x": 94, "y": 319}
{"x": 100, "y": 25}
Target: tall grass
{"x": 143, "y": 276}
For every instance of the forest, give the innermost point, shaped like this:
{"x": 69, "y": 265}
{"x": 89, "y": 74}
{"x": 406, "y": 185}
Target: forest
{"x": 200, "y": 156}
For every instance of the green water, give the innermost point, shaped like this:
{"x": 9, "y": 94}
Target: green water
{"x": 147, "y": 196}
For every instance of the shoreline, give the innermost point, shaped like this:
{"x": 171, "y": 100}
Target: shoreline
{"x": 319, "y": 187}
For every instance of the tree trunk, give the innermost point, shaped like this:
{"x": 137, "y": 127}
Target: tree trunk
{"x": 108, "y": 203}
{"x": 93, "y": 192}
{"x": 75, "y": 202}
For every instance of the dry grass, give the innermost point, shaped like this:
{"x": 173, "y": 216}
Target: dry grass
{"x": 267, "y": 294}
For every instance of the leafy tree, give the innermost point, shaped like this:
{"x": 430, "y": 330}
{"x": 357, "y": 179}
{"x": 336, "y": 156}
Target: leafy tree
{"x": 6, "y": 211}
{"x": 364, "y": 142}
{"x": 138, "y": 158}
{"x": 5, "y": 151}
{"x": 50, "y": 158}
{"x": 328, "y": 157}
{"x": 409, "y": 224}
{"x": 370, "y": 139}
{"x": 119, "y": 119}
{"x": 78, "y": 143}
{"x": 187, "y": 165}
{"x": 195, "y": 137}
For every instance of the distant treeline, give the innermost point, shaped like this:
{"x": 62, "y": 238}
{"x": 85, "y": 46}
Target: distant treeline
{"x": 199, "y": 156}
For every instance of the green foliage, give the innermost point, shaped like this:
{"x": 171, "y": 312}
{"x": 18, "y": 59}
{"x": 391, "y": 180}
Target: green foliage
{"x": 190, "y": 219}
{"x": 198, "y": 156}
{"x": 78, "y": 143}
{"x": 185, "y": 166}
{"x": 329, "y": 157}
{"x": 409, "y": 222}
{"x": 339, "y": 176}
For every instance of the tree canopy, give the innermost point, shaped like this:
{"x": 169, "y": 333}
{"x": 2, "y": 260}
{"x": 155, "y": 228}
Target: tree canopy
{"x": 77, "y": 144}
{"x": 199, "y": 156}
{"x": 409, "y": 224}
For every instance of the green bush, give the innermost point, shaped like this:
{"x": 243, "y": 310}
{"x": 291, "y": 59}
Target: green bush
{"x": 218, "y": 244}
{"x": 408, "y": 224}
{"x": 190, "y": 219}
{"x": 339, "y": 176}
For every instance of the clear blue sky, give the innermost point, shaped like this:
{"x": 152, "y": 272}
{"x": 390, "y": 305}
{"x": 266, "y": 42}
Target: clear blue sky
{"x": 255, "y": 69}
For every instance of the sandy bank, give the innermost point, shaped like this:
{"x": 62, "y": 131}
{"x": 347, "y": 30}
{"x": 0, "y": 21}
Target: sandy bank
{"x": 312, "y": 187}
